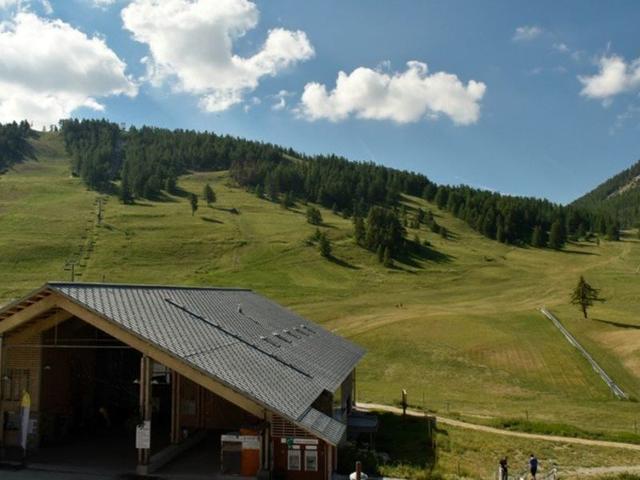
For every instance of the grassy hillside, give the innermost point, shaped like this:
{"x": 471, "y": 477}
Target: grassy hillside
{"x": 619, "y": 195}
{"x": 459, "y": 329}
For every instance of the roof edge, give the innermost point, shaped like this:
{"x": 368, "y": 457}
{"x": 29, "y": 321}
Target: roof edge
{"x": 58, "y": 284}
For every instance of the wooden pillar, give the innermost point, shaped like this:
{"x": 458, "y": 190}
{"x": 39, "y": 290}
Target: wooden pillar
{"x": 176, "y": 434}
{"x": 2, "y": 386}
{"x": 145, "y": 403}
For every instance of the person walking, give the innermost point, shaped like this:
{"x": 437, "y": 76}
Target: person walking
{"x": 533, "y": 466}
{"x": 504, "y": 469}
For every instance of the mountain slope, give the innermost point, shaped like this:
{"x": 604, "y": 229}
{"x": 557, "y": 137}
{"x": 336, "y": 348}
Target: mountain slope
{"x": 458, "y": 326}
{"x": 619, "y": 196}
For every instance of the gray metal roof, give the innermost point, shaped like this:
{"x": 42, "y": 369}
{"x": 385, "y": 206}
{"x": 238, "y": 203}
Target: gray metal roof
{"x": 330, "y": 429}
{"x": 242, "y": 339}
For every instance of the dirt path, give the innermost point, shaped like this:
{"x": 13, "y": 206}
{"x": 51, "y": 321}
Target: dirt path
{"x": 598, "y": 471}
{"x": 499, "y": 431}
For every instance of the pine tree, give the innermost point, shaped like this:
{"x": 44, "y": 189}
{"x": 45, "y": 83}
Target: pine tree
{"x": 126, "y": 196}
{"x": 613, "y": 231}
{"x": 584, "y": 295}
{"x": 556, "y": 236}
{"x": 193, "y": 201}
{"x": 387, "y": 261}
{"x": 314, "y": 217}
{"x": 538, "y": 237}
{"x": 171, "y": 184}
{"x": 324, "y": 245}
{"x": 209, "y": 194}
{"x": 500, "y": 236}
{"x": 380, "y": 253}
{"x": 260, "y": 191}
{"x": 359, "y": 231}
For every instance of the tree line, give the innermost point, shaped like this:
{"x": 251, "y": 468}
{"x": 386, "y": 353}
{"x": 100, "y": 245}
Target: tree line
{"x": 14, "y": 144}
{"x": 148, "y": 160}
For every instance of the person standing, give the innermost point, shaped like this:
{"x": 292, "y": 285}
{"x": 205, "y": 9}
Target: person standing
{"x": 533, "y": 466}
{"x": 504, "y": 469}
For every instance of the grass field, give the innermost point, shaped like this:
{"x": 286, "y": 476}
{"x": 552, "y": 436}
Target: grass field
{"x": 459, "y": 330}
{"x": 470, "y": 454}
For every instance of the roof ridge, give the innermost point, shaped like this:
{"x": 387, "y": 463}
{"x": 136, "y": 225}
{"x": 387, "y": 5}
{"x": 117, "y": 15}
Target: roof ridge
{"x": 150, "y": 286}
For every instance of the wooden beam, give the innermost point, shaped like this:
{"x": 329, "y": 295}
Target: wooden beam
{"x": 1, "y": 397}
{"x": 27, "y": 314}
{"x": 145, "y": 403}
{"x": 39, "y": 326}
{"x": 161, "y": 356}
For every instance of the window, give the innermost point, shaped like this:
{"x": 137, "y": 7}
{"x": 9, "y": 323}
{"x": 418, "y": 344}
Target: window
{"x": 293, "y": 460}
{"x": 311, "y": 460}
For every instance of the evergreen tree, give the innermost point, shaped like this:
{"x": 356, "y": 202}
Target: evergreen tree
{"x": 538, "y": 239}
{"x": 441, "y": 197}
{"x": 126, "y": 196}
{"x": 359, "y": 231}
{"x": 324, "y": 245}
{"x": 193, "y": 201}
{"x": 500, "y": 236}
{"x": 384, "y": 228}
{"x": 209, "y": 194}
{"x": 556, "y": 236}
{"x": 171, "y": 185}
{"x": 613, "y": 231}
{"x": 584, "y": 295}
{"x": 314, "y": 217}
{"x": 380, "y": 253}
{"x": 287, "y": 200}
{"x": 260, "y": 190}
{"x": 387, "y": 259}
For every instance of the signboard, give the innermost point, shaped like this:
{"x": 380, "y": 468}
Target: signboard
{"x": 143, "y": 435}
{"x": 249, "y": 442}
{"x": 299, "y": 441}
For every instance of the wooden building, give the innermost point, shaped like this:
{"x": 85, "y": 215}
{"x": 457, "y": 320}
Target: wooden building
{"x": 158, "y": 368}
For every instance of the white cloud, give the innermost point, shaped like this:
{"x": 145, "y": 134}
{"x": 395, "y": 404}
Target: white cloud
{"x": 191, "y": 46}
{"x": 560, "y": 47}
{"x": 615, "y": 76}
{"x": 281, "y": 100}
{"x": 102, "y": 4}
{"x": 526, "y": 33}
{"x": 402, "y": 96}
{"x": 25, "y": 5}
{"x": 48, "y": 69}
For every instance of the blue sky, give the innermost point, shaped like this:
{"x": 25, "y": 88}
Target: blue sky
{"x": 522, "y": 122}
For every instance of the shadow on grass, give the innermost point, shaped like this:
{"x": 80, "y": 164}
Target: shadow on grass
{"x": 418, "y": 252}
{"x": 617, "y": 324}
{"x": 578, "y": 252}
{"x": 342, "y": 263}
{"x": 232, "y": 210}
{"x": 407, "y": 440}
{"x": 210, "y": 220}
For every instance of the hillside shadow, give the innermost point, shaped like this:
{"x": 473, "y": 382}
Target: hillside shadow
{"x": 210, "y": 220}
{"x": 232, "y": 210}
{"x": 617, "y": 324}
{"x": 342, "y": 263}
{"x": 578, "y": 252}
{"x": 419, "y": 252}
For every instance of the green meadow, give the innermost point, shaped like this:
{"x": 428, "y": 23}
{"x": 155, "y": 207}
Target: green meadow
{"x": 457, "y": 326}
